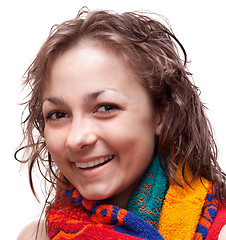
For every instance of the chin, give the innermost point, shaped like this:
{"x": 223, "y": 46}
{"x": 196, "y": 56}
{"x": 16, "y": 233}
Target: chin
{"x": 96, "y": 195}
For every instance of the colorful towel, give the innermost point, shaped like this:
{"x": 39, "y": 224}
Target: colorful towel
{"x": 71, "y": 216}
{"x": 183, "y": 206}
{"x": 146, "y": 201}
{"x": 101, "y": 222}
{"x": 218, "y": 223}
{"x": 208, "y": 214}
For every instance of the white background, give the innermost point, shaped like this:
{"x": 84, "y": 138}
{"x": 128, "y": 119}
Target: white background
{"x": 199, "y": 25}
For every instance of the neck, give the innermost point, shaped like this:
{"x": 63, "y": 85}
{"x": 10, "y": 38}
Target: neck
{"x": 122, "y": 198}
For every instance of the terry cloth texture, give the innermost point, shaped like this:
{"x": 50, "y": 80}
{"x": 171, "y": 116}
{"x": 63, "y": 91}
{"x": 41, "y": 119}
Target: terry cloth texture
{"x": 218, "y": 223}
{"x": 82, "y": 219}
{"x": 182, "y": 207}
{"x": 73, "y": 217}
{"x": 208, "y": 214}
{"x": 146, "y": 201}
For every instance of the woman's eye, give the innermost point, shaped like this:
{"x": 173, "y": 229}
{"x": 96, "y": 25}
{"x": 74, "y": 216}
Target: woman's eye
{"x": 107, "y": 108}
{"x": 56, "y": 116}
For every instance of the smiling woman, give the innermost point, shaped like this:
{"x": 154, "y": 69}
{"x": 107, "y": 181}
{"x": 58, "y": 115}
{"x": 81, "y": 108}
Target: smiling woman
{"x": 121, "y": 127}
{"x": 105, "y": 129}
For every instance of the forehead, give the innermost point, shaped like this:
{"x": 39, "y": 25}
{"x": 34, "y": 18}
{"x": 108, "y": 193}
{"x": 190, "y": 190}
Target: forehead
{"x": 115, "y": 49}
{"x": 89, "y": 62}
{"x": 87, "y": 69}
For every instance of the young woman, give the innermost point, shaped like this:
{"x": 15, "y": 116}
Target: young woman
{"x": 122, "y": 133}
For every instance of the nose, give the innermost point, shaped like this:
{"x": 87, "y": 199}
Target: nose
{"x": 81, "y": 134}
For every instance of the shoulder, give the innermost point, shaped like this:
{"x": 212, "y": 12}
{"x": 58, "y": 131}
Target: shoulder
{"x": 222, "y": 235}
{"x": 29, "y": 232}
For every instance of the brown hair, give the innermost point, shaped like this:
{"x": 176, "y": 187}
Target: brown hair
{"x": 153, "y": 51}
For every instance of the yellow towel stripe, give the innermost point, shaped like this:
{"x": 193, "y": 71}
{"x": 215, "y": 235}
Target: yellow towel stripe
{"x": 182, "y": 207}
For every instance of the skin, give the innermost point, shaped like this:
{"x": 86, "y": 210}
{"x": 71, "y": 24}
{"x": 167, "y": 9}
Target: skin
{"x": 94, "y": 106}
{"x": 222, "y": 235}
{"x": 29, "y": 232}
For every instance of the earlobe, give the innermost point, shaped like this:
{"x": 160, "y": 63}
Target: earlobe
{"x": 158, "y": 129}
{"x": 160, "y": 120}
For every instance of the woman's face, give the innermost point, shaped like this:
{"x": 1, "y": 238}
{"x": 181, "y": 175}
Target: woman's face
{"x": 100, "y": 128}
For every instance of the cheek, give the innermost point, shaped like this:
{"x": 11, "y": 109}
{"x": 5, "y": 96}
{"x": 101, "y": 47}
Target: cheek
{"x": 130, "y": 135}
{"x": 55, "y": 142}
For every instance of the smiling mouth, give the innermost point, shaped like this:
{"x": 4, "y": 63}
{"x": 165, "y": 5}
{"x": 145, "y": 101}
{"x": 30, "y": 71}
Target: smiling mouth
{"x": 95, "y": 163}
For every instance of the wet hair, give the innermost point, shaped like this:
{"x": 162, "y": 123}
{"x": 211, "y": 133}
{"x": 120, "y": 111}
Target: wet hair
{"x": 159, "y": 60}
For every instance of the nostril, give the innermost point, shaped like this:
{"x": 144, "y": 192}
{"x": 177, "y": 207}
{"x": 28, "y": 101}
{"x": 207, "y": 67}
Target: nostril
{"x": 77, "y": 142}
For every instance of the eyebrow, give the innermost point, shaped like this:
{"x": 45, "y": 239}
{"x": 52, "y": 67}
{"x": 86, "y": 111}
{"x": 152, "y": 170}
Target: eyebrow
{"x": 54, "y": 100}
{"x": 88, "y": 98}
{"x": 93, "y": 96}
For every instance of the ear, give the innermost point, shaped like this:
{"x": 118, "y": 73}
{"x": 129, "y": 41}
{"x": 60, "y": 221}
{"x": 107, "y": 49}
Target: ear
{"x": 160, "y": 120}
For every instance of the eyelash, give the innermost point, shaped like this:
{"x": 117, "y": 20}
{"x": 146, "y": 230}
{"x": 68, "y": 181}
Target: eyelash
{"x": 108, "y": 108}
{"x": 50, "y": 116}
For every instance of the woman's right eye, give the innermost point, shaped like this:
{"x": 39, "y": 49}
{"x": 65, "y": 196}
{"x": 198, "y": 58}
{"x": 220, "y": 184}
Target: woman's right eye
{"x": 54, "y": 116}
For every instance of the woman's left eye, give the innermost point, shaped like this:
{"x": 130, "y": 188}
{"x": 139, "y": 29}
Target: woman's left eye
{"x": 107, "y": 108}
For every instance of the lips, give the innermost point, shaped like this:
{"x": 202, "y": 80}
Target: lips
{"x": 94, "y": 163}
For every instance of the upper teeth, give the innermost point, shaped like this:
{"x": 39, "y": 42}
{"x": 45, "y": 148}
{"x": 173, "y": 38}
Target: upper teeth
{"x": 94, "y": 162}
